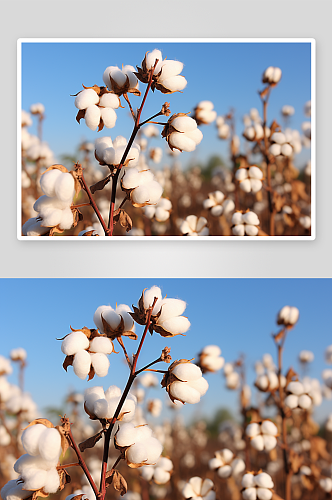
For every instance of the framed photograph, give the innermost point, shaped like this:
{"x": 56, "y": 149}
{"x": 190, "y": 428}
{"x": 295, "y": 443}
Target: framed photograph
{"x": 166, "y": 138}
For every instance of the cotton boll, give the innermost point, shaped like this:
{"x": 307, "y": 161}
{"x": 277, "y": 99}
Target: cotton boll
{"x": 155, "y": 191}
{"x": 92, "y": 117}
{"x": 225, "y": 471}
{"x": 248, "y": 480}
{"x": 30, "y": 437}
{"x": 50, "y": 444}
{"x": 128, "y": 408}
{"x": 292, "y": 401}
{"x": 263, "y": 480}
{"x": 241, "y": 174}
{"x": 140, "y": 195}
{"x": 257, "y": 442}
{"x": 269, "y": 427}
{"x": 147, "y": 472}
{"x": 275, "y": 149}
{"x": 182, "y": 142}
{"x": 127, "y": 435}
{"x": 238, "y": 230}
{"x": 201, "y": 385}
{"x": 295, "y": 388}
{"x": 100, "y": 409}
{"x": 177, "y": 325}
{"x": 111, "y": 317}
{"x": 52, "y": 481}
{"x": 256, "y": 185}
{"x": 35, "y": 480}
{"x": 74, "y": 342}
{"x": 86, "y": 98}
{"x": 245, "y": 185}
{"x": 154, "y": 449}
{"x": 305, "y": 401}
{"x": 161, "y": 214}
{"x": 286, "y": 150}
{"x": 137, "y": 453}
{"x": 161, "y": 476}
{"x": 187, "y": 371}
{"x": 170, "y": 68}
{"x": 238, "y": 466}
{"x": 64, "y": 187}
{"x": 249, "y": 494}
{"x": 217, "y": 211}
{"x": 47, "y": 181}
{"x": 108, "y": 116}
{"x": 215, "y": 463}
{"x": 100, "y": 363}
{"x": 170, "y": 308}
{"x": 82, "y": 364}
{"x": 149, "y": 296}
{"x": 270, "y": 442}
{"x": 253, "y": 429}
{"x": 109, "y": 101}
{"x": 45, "y": 204}
{"x": 113, "y": 392}
{"x": 250, "y": 218}
{"x": 196, "y": 135}
{"x": 150, "y": 59}
{"x": 174, "y": 83}
{"x": 185, "y": 393}
{"x": 67, "y": 219}
{"x": 52, "y": 218}
{"x": 251, "y": 230}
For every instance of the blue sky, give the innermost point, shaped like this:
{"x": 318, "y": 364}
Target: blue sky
{"x": 228, "y": 74}
{"x": 236, "y": 314}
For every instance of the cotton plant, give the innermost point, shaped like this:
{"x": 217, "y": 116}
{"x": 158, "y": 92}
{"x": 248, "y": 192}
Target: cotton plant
{"x": 262, "y": 435}
{"x": 250, "y": 179}
{"x": 257, "y": 486}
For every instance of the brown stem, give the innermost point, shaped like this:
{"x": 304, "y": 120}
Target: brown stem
{"x": 268, "y": 164}
{"x": 125, "y": 154}
{"x": 119, "y": 339}
{"x": 125, "y": 95}
{"x": 93, "y": 204}
{"x": 83, "y": 464}
{"x": 65, "y": 466}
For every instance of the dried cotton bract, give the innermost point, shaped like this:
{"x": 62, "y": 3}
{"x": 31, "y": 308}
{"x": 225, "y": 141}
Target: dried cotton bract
{"x": 140, "y": 447}
{"x": 217, "y": 205}
{"x": 245, "y": 224}
{"x": 225, "y": 464}
{"x": 199, "y": 488}
{"x": 210, "y": 359}
{"x": 257, "y": 486}
{"x": 250, "y": 179}
{"x": 194, "y": 226}
{"x": 184, "y": 382}
{"x": 181, "y": 133}
{"x": 262, "y": 435}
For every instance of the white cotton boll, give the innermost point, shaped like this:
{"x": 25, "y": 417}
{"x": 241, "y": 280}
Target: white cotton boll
{"x": 149, "y": 296}
{"x": 215, "y": 463}
{"x": 82, "y": 364}
{"x": 101, "y": 344}
{"x": 151, "y": 57}
{"x": 97, "y": 317}
{"x": 273, "y": 380}
{"x": 100, "y": 409}
{"x": 238, "y": 230}
{"x": 263, "y": 480}
{"x": 286, "y": 150}
{"x": 182, "y": 142}
{"x": 255, "y": 173}
{"x": 326, "y": 484}
{"x": 52, "y": 218}
{"x": 278, "y": 137}
{"x": 177, "y": 325}
{"x": 251, "y": 230}
{"x": 145, "y": 176}
{"x": 155, "y": 191}
{"x": 256, "y": 185}
{"x": 149, "y": 211}
{"x": 277, "y": 75}
{"x": 245, "y": 185}
{"x": 293, "y": 315}
{"x": 226, "y": 455}
{"x": 86, "y": 98}
{"x": 253, "y": 429}
{"x": 137, "y": 453}
{"x": 109, "y": 101}
{"x": 106, "y": 76}
{"x": 100, "y": 363}
{"x": 269, "y": 427}
{"x": 154, "y": 449}
{"x": 67, "y": 219}
{"x": 259, "y": 132}
{"x": 174, "y": 83}
{"x": 161, "y": 214}
{"x": 113, "y": 392}
{"x": 128, "y": 408}
{"x": 196, "y": 135}
{"x": 217, "y": 211}
{"x": 74, "y": 342}
{"x": 131, "y": 178}
{"x": 237, "y": 218}
{"x": 184, "y": 392}
{"x": 201, "y": 385}
{"x": 248, "y": 481}
{"x": 92, "y": 117}
{"x": 187, "y": 371}
{"x": 257, "y": 442}
{"x": 47, "y": 182}
{"x": 108, "y": 116}
{"x": 108, "y": 156}
{"x": 249, "y": 494}
{"x": 249, "y": 133}
{"x": 140, "y": 195}
{"x": 143, "y": 433}
{"x": 214, "y": 363}
{"x": 161, "y": 476}
{"x": 295, "y": 388}
{"x": 170, "y": 68}
{"x": 305, "y": 402}
{"x": 118, "y": 76}
{"x": 165, "y": 464}
{"x": 170, "y": 308}
{"x": 275, "y": 149}
{"x": 52, "y": 481}
{"x": 147, "y": 472}
{"x": 127, "y": 435}
{"x": 184, "y": 124}
{"x": 264, "y": 494}
{"x": 270, "y": 442}
{"x": 30, "y": 437}
{"x": 238, "y": 466}
{"x": 111, "y": 317}
{"x": 44, "y": 204}
{"x": 225, "y": 471}
{"x": 50, "y": 444}
{"x": 201, "y": 223}
{"x": 250, "y": 218}
{"x": 36, "y": 479}
{"x": 64, "y": 187}
{"x": 292, "y": 401}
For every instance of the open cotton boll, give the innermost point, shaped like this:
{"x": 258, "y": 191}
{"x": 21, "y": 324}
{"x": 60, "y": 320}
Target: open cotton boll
{"x": 170, "y": 308}
{"x": 150, "y": 59}
{"x": 126, "y": 435}
{"x": 52, "y": 218}
{"x": 176, "y": 326}
{"x": 251, "y": 230}
{"x": 30, "y": 437}
{"x": 82, "y": 364}
{"x": 182, "y": 142}
{"x": 215, "y": 463}
{"x": 161, "y": 476}
{"x": 92, "y": 117}
{"x": 86, "y": 98}
{"x": 155, "y": 191}
{"x": 264, "y": 494}
{"x": 100, "y": 408}
{"x": 201, "y": 385}
{"x": 225, "y": 471}
{"x": 196, "y": 135}
{"x": 275, "y": 149}
{"x": 147, "y": 472}
{"x": 109, "y": 101}
{"x": 170, "y": 68}
{"x": 149, "y": 296}
{"x": 248, "y": 481}
{"x": 52, "y": 481}
{"x": 212, "y": 350}
{"x": 137, "y": 453}
{"x": 74, "y": 342}
{"x": 123, "y": 310}
{"x": 64, "y": 187}
{"x": 35, "y": 480}
{"x": 143, "y": 432}
{"x": 291, "y": 401}
{"x": 270, "y": 442}
{"x": 97, "y": 316}
{"x": 50, "y": 444}
{"x": 238, "y": 230}
{"x": 241, "y": 174}
{"x": 238, "y": 466}
{"x": 264, "y": 480}
{"x": 174, "y": 83}
{"x": 92, "y": 394}
{"x": 47, "y": 181}
{"x": 140, "y": 195}
{"x": 187, "y": 371}
{"x": 153, "y": 448}
{"x": 161, "y": 214}
{"x": 184, "y": 124}
{"x": 256, "y": 185}
{"x": 257, "y": 442}
{"x": 113, "y": 392}
{"x": 100, "y": 363}
{"x": 295, "y": 388}
{"x": 250, "y": 218}
{"x": 108, "y": 116}
{"x": 184, "y": 392}
{"x": 165, "y": 464}
{"x": 269, "y": 427}
{"x": 253, "y": 429}
{"x": 305, "y": 402}
{"x": 111, "y": 317}
{"x": 245, "y": 185}
{"x": 67, "y": 219}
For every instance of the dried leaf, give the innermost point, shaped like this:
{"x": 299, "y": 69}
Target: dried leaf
{"x": 91, "y": 441}
{"x": 91, "y": 373}
{"x": 98, "y": 186}
{"x": 295, "y": 461}
{"x": 42, "y": 421}
{"x": 264, "y": 91}
{"x": 114, "y": 477}
{"x": 318, "y": 449}
{"x": 80, "y": 115}
{"x": 64, "y": 478}
{"x": 130, "y": 334}
{"x": 68, "y": 361}
{"x": 101, "y": 125}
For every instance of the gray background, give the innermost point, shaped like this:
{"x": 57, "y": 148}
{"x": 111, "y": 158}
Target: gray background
{"x": 160, "y": 18}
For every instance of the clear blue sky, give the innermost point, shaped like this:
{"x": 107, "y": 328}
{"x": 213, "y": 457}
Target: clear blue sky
{"x": 228, "y": 74}
{"x": 236, "y": 314}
